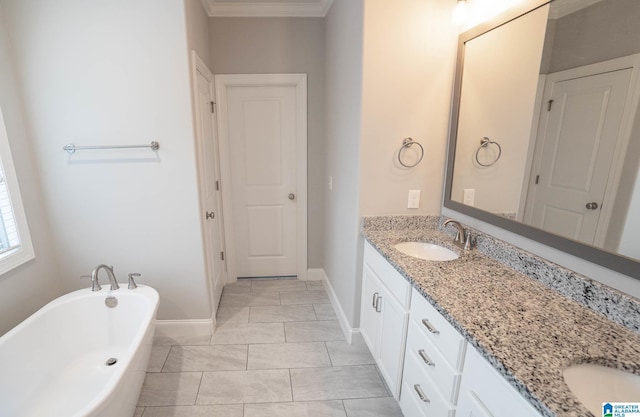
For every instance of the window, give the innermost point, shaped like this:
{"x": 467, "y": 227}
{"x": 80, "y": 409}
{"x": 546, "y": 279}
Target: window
{"x": 15, "y": 241}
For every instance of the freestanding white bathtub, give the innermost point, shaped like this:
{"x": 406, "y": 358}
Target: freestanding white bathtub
{"x": 54, "y": 364}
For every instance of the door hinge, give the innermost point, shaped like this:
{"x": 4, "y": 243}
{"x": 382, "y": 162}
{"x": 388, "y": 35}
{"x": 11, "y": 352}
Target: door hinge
{"x": 213, "y": 107}
{"x": 537, "y": 178}
{"x": 222, "y": 256}
{"x": 217, "y": 185}
{"x": 549, "y": 104}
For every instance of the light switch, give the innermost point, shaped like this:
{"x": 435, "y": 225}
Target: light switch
{"x": 469, "y": 198}
{"x": 414, "y": 199}
{"x": 330, "y": 183}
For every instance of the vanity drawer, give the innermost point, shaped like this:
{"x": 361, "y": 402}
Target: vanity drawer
{"x": 414, "y": 384}
{"x": 437, "y": 329}
{"x": 432, "y": 363}
{"x": 396, "y": 283}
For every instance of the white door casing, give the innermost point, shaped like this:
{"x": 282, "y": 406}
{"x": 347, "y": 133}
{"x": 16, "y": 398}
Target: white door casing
{"x": 263, "y": 147}
{"x": 580, "y": 148}
{"x": 208, "y": 177}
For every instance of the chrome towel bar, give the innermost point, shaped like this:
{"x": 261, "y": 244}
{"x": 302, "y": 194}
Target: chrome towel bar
{"x": 484, "y": 143}
{"x": 71, "y": 148}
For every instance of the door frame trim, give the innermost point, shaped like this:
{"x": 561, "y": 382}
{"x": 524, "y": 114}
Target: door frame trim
{"x": 199, "y": 66}
{"x": 299, "y": 82}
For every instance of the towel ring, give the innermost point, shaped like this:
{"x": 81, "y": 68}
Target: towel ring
{"x": 407, "y": 143}
{"x": 484, "y": 142}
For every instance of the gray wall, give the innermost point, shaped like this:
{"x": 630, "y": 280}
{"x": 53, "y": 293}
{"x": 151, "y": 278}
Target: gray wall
{"x": 283, "y": 45}
{"x": 343, "y": 71}
{"x": 603, "y": 31}
{"x": 32, "y": 285}
{"x": 197, "y": 22}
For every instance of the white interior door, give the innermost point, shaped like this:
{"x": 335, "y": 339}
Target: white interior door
{"x": 582, "y": 129}
{"x": 208, "y": 168}
{"x": 263, "y": 127}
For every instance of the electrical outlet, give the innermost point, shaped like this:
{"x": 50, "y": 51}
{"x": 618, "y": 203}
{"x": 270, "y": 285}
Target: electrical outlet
{"x": 469, "y": 198}
{"x": 414, "y": 199}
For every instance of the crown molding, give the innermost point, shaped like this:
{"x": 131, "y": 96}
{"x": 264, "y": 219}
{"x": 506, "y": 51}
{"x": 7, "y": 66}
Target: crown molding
{"x": 565, "y": 7}
{"x": 222, "y": 8}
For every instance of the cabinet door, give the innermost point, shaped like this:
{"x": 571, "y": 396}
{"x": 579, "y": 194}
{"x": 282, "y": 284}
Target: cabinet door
{"x": 369, "y": 317}
{"x": 393, "y": 329}
{"x": 471, "y": 406}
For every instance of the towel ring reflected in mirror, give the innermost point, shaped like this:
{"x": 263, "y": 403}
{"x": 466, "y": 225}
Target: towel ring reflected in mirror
{"x": 484, "y": 143}
{"x": 407, "y": 143}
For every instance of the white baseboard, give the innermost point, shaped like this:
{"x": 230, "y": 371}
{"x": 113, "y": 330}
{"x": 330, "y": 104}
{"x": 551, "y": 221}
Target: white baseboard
{"x": 342, "y": 317}
{"x": 184, "y": 328}
{"x": 315, "y": 274}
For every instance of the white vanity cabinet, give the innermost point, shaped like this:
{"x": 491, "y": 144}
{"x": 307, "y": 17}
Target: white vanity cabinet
{"x": 434, "y": 358}
{"x": 384, "y": 315}
{"x": 485, "y": 393}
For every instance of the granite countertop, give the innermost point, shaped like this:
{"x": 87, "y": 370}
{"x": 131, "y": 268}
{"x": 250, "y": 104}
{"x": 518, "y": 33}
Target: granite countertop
{"x": 527, "y": 331}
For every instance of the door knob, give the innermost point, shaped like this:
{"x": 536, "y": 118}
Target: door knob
{"x": 292, "y": 196}
{"x": 592, "y": 206}
{"x": 210, "y": 215}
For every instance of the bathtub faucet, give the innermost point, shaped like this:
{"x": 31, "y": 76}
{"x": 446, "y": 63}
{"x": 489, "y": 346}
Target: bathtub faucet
{"x": 95, "y": 285}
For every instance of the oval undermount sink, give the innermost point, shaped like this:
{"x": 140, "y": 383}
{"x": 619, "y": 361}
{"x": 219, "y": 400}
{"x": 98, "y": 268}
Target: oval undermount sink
{"x": 595, "y": 384}
{"x": 427, "y": 251}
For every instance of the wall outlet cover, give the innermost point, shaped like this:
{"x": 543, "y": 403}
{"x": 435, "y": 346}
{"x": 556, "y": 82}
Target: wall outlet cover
{"x": 414, "y": 199}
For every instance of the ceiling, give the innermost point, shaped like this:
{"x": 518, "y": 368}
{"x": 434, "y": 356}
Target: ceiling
{"x": 267, "y": 8}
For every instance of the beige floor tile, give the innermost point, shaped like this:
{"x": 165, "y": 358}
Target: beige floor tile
{"x": 325, "y": 312}
{"x": 236, "y": 387}
{"x": 288, "y": 355}
{"x": 232, "y": 315}
{"x": 238, "y": 287}
{"x": 356, "y": 353}
{"x": 235, "y": 410}
{"x": 185, "y": 341}
{"x": 297, "y": 409}
{"x": 336, "y": 383}
{"x": 373, "y": 407}
{"x": 178, "y": 388}
{"x": 206, "y": 358}
{"x": 248, "y": 299}
{"x": 304, "y": 297}
{"x": 158, "y": 357}
{"x": 314, "y": 285}
{"x": 266, "y": 314}
{"x": 313, "y": 331}
{"x": 246, "y": 333}
{"x": 278, "y": 285}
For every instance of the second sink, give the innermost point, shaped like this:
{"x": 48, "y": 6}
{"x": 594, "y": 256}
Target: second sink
{"x": 427, "y": 251}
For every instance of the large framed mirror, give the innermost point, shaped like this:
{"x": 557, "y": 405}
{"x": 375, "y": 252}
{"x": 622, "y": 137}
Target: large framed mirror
{"x": 545, "y": 127}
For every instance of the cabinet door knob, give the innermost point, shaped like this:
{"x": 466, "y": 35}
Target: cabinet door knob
{"x": 373, "y": 300}
{"x": 592, "y": 206}
{"x": 292, "y": 196}
{"x": 429, "y": 326}
{"x": 378, "y": 306}
{"x": 421, "y": 393}
{"x": 210, "y": 215}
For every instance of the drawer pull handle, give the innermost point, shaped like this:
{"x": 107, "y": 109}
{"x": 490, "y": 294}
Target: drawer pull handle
{"x": 429, "y": 326}
{"x": 425, "y": 358}
{"x": 374, "y": 300}
{"x": 378, "y": 307}
{"x": 420, "y": 393}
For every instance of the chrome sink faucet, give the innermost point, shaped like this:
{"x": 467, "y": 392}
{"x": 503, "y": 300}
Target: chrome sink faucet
{"x": 95, "y": 285}
{"x": 463, "y": 238}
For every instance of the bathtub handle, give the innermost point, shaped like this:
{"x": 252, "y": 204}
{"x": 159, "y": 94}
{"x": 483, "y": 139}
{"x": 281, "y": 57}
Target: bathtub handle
{"x": 132, "y": 283}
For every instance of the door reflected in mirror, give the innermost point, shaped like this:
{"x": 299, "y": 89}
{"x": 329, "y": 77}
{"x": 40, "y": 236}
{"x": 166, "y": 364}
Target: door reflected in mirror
{"x": 547, "y": 129}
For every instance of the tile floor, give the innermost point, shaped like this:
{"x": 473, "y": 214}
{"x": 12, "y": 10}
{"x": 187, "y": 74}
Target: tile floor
{"x": 278, "y": 351}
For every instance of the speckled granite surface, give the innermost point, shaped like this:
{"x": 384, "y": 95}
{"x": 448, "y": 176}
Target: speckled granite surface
{"x": 526, "y": 330}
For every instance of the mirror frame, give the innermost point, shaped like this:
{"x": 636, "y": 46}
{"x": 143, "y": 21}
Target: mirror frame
{"x": 610, "y": 260}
